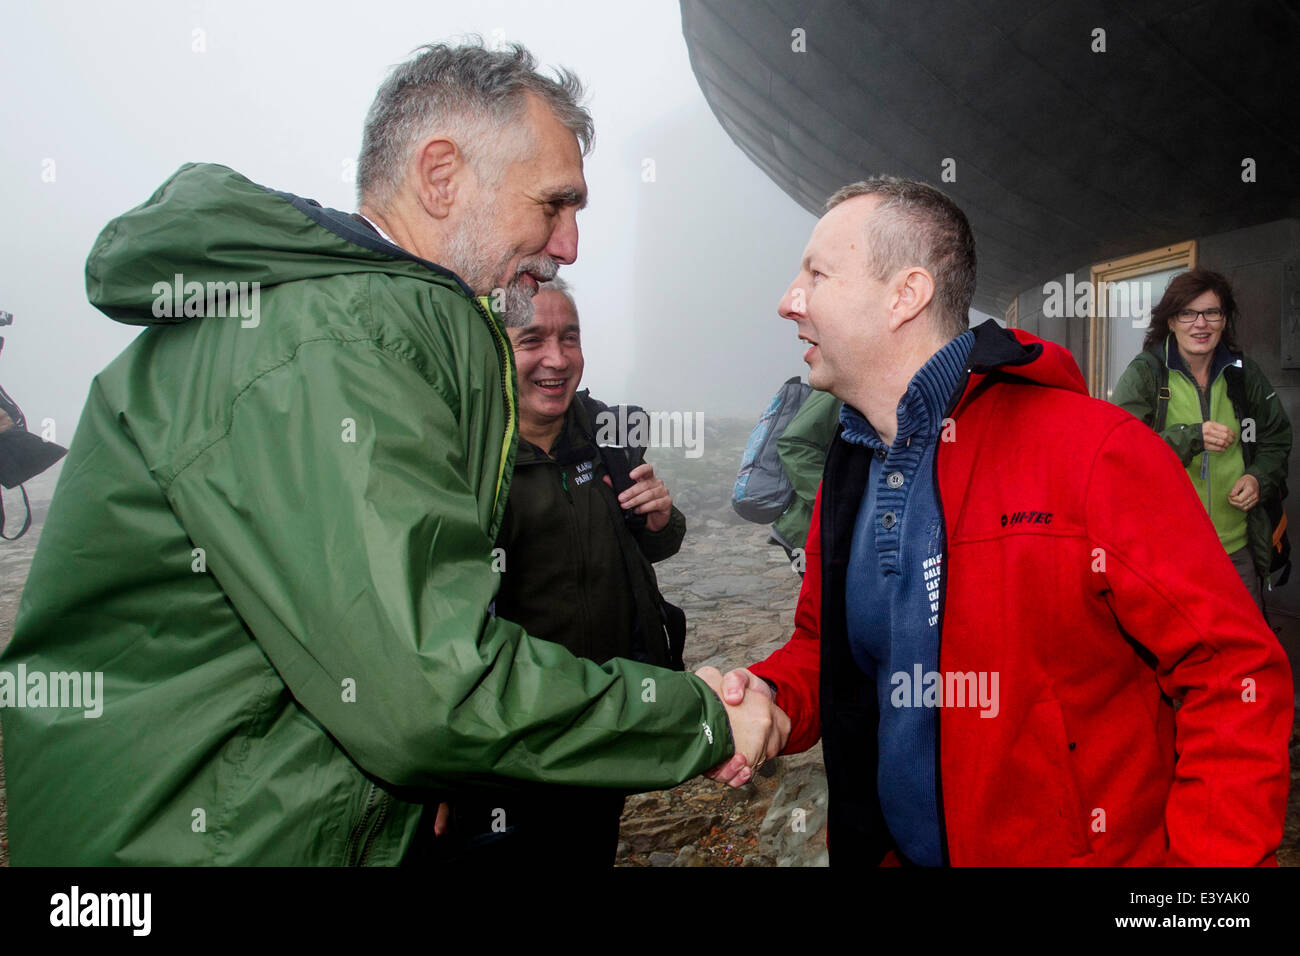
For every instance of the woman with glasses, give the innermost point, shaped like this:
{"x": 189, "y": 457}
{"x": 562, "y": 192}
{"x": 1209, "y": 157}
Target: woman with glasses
{"x": 1217, "y": 411}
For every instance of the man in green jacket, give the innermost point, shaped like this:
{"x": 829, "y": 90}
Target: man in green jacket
{"x": 271, "y": 541}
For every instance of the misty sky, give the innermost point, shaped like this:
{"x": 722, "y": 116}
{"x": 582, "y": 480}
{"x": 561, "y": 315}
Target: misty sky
{"x": 677, "y": 279}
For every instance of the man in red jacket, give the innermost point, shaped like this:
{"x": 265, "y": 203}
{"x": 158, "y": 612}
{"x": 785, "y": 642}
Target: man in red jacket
{"x": 1017, "y": 638}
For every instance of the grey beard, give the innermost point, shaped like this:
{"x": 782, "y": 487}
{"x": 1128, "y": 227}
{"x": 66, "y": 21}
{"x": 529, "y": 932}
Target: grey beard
{"x": 469, "y": 256}
{"x": 518, "y": 306}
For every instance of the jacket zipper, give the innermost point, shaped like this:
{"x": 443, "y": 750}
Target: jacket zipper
{"x": 1205, "y": 402}
{"x": 506, "y": 363}
{"x": 943, "y": 600}
{"x": 1207, "y": 410}
{"x": 582, "y": 565}
{"x": 364, "y": 837}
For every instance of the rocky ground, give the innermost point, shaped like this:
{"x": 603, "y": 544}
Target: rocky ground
{"x": 739, "y": 595}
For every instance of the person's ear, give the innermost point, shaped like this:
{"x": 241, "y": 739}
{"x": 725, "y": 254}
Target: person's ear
{"x": 442, "y": 176}
{"x": 910, "y": 295}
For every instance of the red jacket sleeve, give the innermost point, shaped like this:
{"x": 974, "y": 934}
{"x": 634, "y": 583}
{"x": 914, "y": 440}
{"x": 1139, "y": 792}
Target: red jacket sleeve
{"x": 795, "y": 667}
{"x": 1174, "y": 590}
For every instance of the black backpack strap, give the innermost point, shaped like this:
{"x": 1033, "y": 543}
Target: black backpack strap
{"x": 1234, "y": 377}
{"x": 26, "y": 524}
{"x": 617, "y": 459}
{"x": 1161, "y": 372}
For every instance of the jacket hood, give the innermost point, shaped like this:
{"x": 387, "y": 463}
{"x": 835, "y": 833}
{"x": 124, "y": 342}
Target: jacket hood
{"x": 209, "y": 225}
{"x": 1018, "y": 354}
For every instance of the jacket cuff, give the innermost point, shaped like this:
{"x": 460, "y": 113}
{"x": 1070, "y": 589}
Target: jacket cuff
{"x": 667, "y": 541}
{"x": 716, "y": 726}
{"x": 805, "y": 722}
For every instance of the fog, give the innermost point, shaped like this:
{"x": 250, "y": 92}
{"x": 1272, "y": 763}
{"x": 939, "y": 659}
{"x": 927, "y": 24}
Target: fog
{"x": 678, "y": 273}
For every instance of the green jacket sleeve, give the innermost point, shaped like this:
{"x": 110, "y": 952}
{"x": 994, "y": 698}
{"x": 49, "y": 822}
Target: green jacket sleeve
{"x": 362, "y": 571}
{"x": 1136, "y": 392}
{"x": 1272, "y": 431}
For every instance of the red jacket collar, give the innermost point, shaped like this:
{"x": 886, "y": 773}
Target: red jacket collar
{"x": 1017, "y": 353}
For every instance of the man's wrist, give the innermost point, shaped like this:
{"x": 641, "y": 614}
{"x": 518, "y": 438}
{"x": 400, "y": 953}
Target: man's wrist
{"x": 767, "y": 685}
{"x": 650, "y": 521}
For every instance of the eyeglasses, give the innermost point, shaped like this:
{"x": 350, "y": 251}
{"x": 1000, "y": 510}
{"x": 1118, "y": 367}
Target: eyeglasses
{"x": 1188, "y": 316}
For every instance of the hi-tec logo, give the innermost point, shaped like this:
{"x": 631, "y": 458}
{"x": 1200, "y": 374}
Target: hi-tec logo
{"x": 642, "y": 429}
{"x": 75, "y": 689}
{"x": 951, "y": 689}
{"x": 1027, "y": 517}
{"x": 180, "y": 299}
{"x": 103, "y": 909}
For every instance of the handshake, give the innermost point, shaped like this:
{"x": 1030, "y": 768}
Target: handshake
{"x": 759, "y": 727}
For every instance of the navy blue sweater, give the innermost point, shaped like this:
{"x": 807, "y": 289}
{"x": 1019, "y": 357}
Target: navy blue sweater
{"x": 892, "y": 598}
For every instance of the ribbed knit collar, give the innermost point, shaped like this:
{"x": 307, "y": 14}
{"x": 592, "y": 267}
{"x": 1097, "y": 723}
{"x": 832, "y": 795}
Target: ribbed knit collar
{"x": 920, "y": 413}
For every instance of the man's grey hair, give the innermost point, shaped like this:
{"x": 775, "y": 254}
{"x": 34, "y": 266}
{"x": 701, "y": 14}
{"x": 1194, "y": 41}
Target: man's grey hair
{"x": 917, "y": 225}
{"x": 552, "y": 285}
{"x": 473, "y": 94}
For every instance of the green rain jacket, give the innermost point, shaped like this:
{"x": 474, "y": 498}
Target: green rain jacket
{"x": 272, "y": 538}
{"x": 1137, "y": 392}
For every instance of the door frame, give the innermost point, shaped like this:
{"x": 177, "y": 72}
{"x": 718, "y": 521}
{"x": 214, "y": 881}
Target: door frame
{"x": 1178, "y": 255}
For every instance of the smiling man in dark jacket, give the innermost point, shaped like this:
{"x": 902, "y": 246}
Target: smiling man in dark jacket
{"x": 577, "y": 570}
{"x": 575, "y": 562}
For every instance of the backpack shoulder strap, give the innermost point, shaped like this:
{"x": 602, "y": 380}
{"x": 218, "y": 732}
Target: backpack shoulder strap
{"x": 27, "y": 523}
{"x": 616, "y": 458}
{"x": 619, "y": 460}
{"x": 1234, "y": 379}
{"x": 1161, "y": 372}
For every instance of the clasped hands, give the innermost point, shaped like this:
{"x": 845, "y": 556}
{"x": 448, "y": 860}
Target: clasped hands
{"x": 759, "y": 727}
